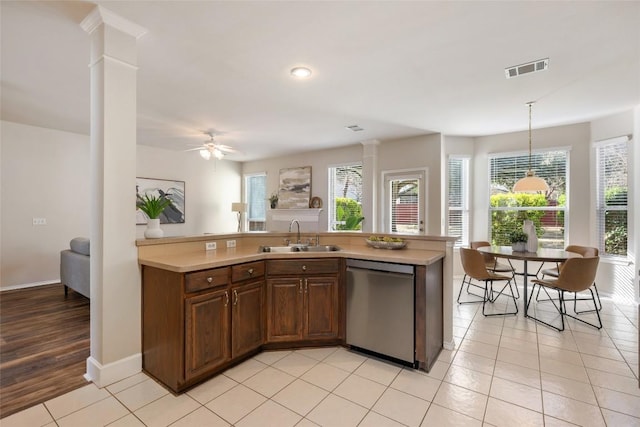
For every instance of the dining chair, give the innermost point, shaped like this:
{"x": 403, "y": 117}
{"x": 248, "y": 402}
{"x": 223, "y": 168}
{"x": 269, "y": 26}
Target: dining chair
{"x": 576, "y": 275}
{"x": 586, "y": 252}
{"x": 493, "y": 264}
{"x": 475, "y": 268}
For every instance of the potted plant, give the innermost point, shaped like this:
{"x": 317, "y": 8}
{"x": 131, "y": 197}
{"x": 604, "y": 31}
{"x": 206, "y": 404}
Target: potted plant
{"x": 273, "y": 200}
{"x": 518, "y": 240}
{"x": 153, "y": 206}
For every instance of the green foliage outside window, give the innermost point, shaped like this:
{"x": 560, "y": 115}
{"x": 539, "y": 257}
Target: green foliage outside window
{"x": 348, "y": 214}
{"x": 504, "y": 223}
{"x": 615, "y": 237}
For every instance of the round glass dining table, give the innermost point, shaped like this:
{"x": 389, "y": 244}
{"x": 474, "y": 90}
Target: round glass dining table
{"x": 541, "y": 255}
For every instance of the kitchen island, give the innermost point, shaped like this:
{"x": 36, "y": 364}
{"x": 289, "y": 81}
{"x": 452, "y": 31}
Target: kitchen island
{"x": 204, "y": 311}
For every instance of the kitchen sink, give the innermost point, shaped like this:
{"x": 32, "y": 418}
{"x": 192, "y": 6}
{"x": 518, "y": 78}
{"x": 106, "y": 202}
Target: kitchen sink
{"x": 299, "y": 248}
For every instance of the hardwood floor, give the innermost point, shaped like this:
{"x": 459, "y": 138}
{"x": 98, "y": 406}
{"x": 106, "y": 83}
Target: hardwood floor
{"x": 44, "y": 345}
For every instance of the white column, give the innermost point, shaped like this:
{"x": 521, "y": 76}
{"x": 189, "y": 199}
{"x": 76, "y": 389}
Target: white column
{"x": 115, "y": 279}
{"x": 370, "y": 187}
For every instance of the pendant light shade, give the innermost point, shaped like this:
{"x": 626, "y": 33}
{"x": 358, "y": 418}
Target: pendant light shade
{"x": 530, "y": 183}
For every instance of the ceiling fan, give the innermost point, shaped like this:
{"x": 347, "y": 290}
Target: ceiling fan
{"x": 211, "y": 148}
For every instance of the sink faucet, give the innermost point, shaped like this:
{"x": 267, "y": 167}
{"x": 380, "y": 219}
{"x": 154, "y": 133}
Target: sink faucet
{"x": 291, "y": 226}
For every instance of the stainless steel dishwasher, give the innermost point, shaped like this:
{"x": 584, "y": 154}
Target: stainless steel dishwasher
{"x": 380, "y": 309}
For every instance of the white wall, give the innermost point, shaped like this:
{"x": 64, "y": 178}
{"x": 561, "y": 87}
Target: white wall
{"x": 319, "y": 161}
{"x": 45, "y": 174}
{"x": 409, "y": 153}
{"x": 210, "y": 188}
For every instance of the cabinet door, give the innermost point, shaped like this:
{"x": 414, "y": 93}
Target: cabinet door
{"x": 321, "y": 307}
{"x": 246, "y": 318}
{"x": 207, "y": 332}
{"x": 284, "y": 309}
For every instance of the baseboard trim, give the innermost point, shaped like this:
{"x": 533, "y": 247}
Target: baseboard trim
{"x": 104, "y": 375}
{"x": 29, "y": 285}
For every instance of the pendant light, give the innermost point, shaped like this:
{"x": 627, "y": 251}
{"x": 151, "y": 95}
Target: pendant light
{"x": 530, "y": 183}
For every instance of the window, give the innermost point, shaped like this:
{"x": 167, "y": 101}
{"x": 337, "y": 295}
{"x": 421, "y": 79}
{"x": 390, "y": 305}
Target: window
{"x": 403, "y": 194}
{"x": 547, "y": 211}
{"x": 458, "y": 216}
{"x": 255, "y": 186}
{"x": 611, "y": 198}
{"x": 345, "y": 197}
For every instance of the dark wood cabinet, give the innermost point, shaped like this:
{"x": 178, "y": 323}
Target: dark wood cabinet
{"x": 247, "y": 318}
{"x": 207, "y": 332}
{"x": 198, "y": 323}
{"x": 303, "y": 300}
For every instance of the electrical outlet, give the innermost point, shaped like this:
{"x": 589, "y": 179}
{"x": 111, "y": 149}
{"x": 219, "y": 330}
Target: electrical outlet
{"x": 231, "y": 243}
{"x": 39, "y": 221}
{"x": 209, "y": 246}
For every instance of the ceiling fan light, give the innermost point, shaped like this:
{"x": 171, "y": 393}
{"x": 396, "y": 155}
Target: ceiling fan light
{"x": 218, "y": 154}
{"x": 205, "y": 154}
{"x": 531, "y": 184}
{"x": 301, "y": 72}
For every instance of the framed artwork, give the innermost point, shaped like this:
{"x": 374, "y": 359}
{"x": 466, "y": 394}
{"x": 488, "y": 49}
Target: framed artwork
{"x": 174, "y": 190}
{"x": 295, "y": 188}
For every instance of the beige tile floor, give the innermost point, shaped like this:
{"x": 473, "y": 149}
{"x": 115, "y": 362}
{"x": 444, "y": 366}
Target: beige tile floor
{"x": 505, "y": 371}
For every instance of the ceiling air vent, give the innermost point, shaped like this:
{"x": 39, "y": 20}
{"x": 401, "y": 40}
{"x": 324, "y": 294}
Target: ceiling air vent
{"x": 355, "y": 128}
{"x": 529, "y": 67}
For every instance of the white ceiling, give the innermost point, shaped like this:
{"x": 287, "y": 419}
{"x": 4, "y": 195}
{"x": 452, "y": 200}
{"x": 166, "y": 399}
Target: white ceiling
{"x": 395, "y": 68}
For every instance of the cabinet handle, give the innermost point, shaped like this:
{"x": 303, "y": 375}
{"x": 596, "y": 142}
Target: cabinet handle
{"x": 300, "y": 285}
{"x": 306, "y": 285}
{"x": 304, "y": 267}
{"x": 209, "y": 279}
{"x": 235, "y": 297}
{"x": 226, "y": 301}
{"x": 250, "y": 271}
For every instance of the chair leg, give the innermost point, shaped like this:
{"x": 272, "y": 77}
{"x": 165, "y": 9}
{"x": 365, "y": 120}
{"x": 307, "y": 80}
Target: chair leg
{"x": 560, "y": 307}
{"x": 66, "y": 290}
{"x": 467, "y": 280}
{"x": 599, "y": 325}
{"x": 490, "y": 298}
{"x": 598, "y": 306}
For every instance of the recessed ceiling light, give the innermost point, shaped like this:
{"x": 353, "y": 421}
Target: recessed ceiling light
{"x": 301, "y": 72}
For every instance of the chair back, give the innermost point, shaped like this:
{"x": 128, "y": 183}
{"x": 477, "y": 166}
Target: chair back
{"x": 488, "y": 258}
{"x": 473, "y": 264}
{"x": 578, "y": 274}
{"x": 585, "y": 251}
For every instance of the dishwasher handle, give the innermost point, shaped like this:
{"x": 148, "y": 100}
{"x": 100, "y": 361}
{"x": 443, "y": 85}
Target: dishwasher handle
{"x": 380, "y": 272}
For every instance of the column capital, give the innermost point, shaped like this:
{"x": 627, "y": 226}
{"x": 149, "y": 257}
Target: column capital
{"x": 100, "y": 15}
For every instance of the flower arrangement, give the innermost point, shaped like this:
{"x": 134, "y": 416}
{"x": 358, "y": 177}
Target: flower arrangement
{"x": 518, "y": 240}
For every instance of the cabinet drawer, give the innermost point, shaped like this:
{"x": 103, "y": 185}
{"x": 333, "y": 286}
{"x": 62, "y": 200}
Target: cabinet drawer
{"x": 249, "y": 270}
{"x": 303, "y": 266}
{"x": 205, "y": 279}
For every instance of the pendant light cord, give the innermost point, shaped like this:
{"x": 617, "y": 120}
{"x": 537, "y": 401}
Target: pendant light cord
{"x": 530, "y": 103}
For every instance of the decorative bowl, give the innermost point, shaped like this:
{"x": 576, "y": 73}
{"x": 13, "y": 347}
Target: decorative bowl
{"x": 385, "y": 245}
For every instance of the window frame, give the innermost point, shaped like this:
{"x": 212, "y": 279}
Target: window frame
{"x": 600, "y": 196}
{"x": 421, "y": 174}
{"x": 465, "y": 199}
{"x": 331, "y": 195}
{"x": 524, "y": 157}
{"x": 247, "y": 199}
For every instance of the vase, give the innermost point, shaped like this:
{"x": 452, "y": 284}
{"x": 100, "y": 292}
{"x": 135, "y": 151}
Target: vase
{"x": 519, "y": 246}
{"x": 532, "y": 240}
{"x": 153, "y": 230}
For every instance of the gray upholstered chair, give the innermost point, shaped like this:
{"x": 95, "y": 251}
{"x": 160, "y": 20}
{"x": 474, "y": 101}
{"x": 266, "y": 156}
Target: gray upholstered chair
{"x": 74, "y": 266}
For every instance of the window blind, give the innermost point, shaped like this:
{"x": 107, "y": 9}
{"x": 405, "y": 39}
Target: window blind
{"x": 345, "y": 197}
{"x": 508, "y": 210}
{"x": 256, "y": 197}
{"x": 404, "y": 203}
{"x": 611, "y": 197}
{"x": 458, "y": 216}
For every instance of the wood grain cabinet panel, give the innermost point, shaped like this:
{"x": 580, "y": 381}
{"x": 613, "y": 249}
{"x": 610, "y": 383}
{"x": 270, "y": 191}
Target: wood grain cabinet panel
{"x": 207, "y": 332}
{"x": 247, "y": 321}
{"x": 303, "y": 300}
